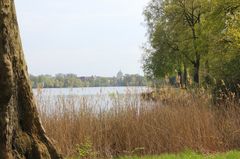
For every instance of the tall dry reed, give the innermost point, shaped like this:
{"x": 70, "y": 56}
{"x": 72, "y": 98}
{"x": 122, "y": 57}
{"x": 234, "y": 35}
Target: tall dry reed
{"x": 177, "y": 121}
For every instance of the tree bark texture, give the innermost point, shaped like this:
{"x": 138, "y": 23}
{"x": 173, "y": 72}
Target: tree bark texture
{"x": 21, "y": 133}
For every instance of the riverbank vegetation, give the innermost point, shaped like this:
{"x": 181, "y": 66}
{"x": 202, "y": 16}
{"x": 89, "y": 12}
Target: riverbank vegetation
{"x": 127, "y": 126}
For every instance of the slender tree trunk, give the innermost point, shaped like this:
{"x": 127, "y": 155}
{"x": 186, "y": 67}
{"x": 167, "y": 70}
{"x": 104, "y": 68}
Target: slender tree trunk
{"x": 196, "y": 76}
{"x": 185, "y": 75}
{"x": 21, "y": 133}
{"x": 180, "y": 75}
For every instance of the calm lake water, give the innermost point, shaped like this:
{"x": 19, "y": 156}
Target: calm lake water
{"x": 90, "y": 91}
{"x": 96, "y": 97}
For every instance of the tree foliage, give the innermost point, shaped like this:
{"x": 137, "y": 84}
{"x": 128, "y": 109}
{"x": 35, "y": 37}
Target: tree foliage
{"x": 200, "y": 36}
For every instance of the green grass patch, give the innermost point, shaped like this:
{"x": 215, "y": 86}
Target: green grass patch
{"x": 191, "y": 155}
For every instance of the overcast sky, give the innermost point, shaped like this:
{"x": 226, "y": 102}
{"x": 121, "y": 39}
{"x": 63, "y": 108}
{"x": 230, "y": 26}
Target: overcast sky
{"x": 85, "y": 37}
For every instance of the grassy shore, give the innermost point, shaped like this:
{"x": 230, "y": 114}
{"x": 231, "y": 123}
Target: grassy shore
{"x": 127, "y": 126}
{"x": 191, "y": 155}
{"x": 187, "y": 155}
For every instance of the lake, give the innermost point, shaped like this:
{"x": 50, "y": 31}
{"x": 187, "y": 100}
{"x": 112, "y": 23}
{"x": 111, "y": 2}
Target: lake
{"x": 90, "y": 91}
{"x": 51, "y": 99}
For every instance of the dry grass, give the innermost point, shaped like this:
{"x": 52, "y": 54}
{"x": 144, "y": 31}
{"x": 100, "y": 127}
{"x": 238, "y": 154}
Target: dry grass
{"x": 179, "y": 120}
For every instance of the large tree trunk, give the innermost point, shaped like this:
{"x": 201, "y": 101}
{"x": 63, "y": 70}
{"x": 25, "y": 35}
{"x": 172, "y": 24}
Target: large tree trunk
{"x": 21, "y": 133}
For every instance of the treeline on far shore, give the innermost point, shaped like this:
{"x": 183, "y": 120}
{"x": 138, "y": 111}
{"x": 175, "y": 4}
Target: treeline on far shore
{"x": 72, "y": 81}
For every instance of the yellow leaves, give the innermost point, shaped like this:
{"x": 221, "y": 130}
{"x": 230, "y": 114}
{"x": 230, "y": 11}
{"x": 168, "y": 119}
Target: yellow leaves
{"x": 233, "y": 29}
{"x": 234, "y": 34}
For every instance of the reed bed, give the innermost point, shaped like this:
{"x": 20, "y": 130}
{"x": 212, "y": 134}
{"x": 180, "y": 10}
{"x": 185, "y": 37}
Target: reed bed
{"x": 177, "y": 120}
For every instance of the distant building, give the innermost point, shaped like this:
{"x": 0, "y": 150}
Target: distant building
{"x": 120, "y": 75}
